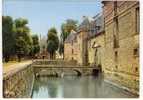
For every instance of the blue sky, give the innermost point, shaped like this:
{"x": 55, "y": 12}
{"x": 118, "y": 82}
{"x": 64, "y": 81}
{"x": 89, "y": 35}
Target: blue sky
{"x": 43, "y": 14}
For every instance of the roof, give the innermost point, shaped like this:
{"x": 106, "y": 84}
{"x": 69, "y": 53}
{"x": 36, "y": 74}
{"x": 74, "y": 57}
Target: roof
{"x": 85, "y": 23}
{"x": 71, "y": 37}
{"x": 93, "y": 26}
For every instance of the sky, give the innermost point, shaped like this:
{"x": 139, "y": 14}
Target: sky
{"x": 44, "y": 14}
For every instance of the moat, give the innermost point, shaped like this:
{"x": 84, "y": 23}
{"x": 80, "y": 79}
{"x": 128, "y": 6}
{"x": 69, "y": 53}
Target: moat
{"x": 47, "y": 79}
{"x": 77, "y": 87}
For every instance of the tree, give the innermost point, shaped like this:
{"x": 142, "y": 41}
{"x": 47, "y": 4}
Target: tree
{"x": 65, "y": 31}
{"x": 23, "y": 39}
{"x": 52, "y": 42}
{"x": 67, "y": 27}
{"x": 8, "y": 39}
{"x": 61, "y": 48}
{"x": 36, "y": 46}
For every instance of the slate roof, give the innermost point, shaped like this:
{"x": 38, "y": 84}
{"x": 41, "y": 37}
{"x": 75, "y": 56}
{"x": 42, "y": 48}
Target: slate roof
{"x": 94, "y": 25}
{"x": 98, "y": 25}
{"x": 71, "y": 37}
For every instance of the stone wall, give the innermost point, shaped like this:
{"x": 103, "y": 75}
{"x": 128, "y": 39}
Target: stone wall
{"x": 18, "y": 83}
{"x": 54, "y": 62}
{"x": 74, "y": 50}
{"x": 82, "y": 56}
{"x": 70, "y": 51}
{"x": 121, "y": 59}
{"x": 80, "y": 50}
{"x": 67, "y": 51}
{"x": 96, "y": 45}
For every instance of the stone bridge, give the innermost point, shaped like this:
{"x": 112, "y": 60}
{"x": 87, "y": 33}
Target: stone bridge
{"x": 60, "y": 68}
{"x": 18, "y": 83}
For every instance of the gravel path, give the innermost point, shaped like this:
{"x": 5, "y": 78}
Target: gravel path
{"x": 13, "y": 67}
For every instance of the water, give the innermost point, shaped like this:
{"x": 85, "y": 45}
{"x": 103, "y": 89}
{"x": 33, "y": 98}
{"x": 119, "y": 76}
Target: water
{"x": 77, "y": 87}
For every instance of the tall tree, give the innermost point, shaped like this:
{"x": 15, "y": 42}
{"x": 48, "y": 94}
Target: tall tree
{"x": 8, "y": 39}
{"x": 36, "y": 46}
{"x": 23, "y": 38}
{"x": 66, "y": 28}
{"x": 52, "y": 42}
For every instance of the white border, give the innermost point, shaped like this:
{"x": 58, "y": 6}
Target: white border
{"x": 1, "y": 49}
{"x": 141, "y": 57}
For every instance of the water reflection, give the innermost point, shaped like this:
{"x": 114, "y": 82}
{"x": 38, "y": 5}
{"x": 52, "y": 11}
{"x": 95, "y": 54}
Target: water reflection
{"x": 76, "y": 87}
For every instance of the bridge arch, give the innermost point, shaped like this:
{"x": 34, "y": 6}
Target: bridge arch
{"x": 78, "y": 72}
{"x": 45, "y": 72}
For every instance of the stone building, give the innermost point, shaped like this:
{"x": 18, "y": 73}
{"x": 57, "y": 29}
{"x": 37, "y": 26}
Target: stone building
{"x": 96, "y": 42}
{"x": 121, "y": 59}
{"x": 82, "y": 39}
{"x": 70, "y": 47}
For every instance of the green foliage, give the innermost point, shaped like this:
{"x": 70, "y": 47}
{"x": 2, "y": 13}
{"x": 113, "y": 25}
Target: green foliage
{"x": 52, "y": 30}
{"x": 65, "y": 31}
{"x": 8, "y": 37}
{"x": 51, "y": 46}
{"x": 21, "y": 46}
{"x": 61, "y": 48}
{"x": 67, "y": 27}
{"x": 52, "y": 42}
{"x": 20, "y": 22}
{"x": 36, "y": 46}
{"x": 23, "y": 37}
{"x": 17, "y": 39}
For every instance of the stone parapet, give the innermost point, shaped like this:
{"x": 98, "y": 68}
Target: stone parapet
{"x": 18, "y": 83}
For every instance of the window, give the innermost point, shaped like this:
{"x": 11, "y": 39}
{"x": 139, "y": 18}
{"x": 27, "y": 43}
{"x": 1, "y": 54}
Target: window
{"x": 116, "y": 56}
{"x": 116, "y": 30}
{"x": 116, "y": 42}
{"x": 72, "y": 42}
{"x": 137, "y": 20}
{"x": 136, "y": 52}
{"x": 136, "y": 69}
{"x": 116, "y": 67}
{"x": 72, "y": 51}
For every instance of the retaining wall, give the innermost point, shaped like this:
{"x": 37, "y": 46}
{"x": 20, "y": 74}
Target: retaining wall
{"x": 18, "y": 83}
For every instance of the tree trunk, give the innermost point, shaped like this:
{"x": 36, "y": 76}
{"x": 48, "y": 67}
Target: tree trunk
{"x": 50, "y": 56}
{"x": 19, "y": 58}
{"x": 7, "y": 58}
